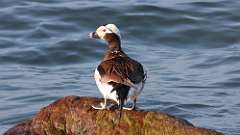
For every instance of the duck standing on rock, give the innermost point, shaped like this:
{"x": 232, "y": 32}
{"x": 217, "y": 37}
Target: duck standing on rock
{"x": 118, "y": 77}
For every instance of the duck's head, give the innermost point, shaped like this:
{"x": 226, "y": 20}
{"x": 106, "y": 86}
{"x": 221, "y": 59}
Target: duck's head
{"x": 104, "y": 31}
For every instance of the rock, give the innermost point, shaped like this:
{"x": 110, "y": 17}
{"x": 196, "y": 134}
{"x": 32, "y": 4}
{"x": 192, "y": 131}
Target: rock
{"x": 73, "y": 115}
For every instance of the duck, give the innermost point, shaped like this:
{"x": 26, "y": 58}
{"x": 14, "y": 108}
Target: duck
{"x": 118, "y": 77}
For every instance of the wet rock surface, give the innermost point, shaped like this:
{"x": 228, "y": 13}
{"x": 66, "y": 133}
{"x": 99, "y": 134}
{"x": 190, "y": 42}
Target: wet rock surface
{"x": 74, "y": 115}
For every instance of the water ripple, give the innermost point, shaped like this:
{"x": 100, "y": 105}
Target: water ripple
{"x": 190, "y": 48}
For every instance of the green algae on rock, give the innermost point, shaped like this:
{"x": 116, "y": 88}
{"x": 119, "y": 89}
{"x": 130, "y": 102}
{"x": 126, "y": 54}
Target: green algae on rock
{"x": 74, "y": 115}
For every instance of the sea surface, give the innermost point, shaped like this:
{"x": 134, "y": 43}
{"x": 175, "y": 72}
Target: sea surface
{"x": 191, "y": 49}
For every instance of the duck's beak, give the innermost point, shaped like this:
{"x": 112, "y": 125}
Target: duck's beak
{"x": 93, "y": 35}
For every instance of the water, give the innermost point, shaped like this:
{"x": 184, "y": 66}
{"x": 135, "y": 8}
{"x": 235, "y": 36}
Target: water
{"x": 190, "y": 48}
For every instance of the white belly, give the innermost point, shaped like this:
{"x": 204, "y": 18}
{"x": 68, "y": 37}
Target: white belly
{"x": 105, "y": 88}
{"x": 134, "y": 93}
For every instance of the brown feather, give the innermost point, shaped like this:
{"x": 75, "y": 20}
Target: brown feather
{"x": 122, "y": 70}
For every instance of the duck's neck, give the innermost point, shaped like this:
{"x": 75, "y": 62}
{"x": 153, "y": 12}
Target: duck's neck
{"x": 114, "y": 43}
{"x": 114, "y": 47}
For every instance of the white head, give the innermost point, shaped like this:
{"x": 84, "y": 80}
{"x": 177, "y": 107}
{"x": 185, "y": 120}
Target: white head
{"x": 105, "y": 29}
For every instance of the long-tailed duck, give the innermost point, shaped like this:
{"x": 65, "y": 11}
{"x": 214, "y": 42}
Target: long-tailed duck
{"x": 118, "y": 77}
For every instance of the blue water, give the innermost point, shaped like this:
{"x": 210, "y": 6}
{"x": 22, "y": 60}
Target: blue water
{"x": 191, "y": 49}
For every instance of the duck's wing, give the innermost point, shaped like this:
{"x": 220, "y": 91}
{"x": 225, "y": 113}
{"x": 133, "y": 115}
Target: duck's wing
{"x": 122, "y": 70}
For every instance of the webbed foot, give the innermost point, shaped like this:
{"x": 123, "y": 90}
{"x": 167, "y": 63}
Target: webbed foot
{"x": 102, "y": 106}
{"x": 129, "y": 108}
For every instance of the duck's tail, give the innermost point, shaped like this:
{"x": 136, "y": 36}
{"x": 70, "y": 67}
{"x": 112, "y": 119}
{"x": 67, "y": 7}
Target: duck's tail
{"x": 122, "y": 93}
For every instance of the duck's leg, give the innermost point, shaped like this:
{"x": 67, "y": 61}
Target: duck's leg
{"x": 102, "y": 104}
{"x": 133, "y": 107}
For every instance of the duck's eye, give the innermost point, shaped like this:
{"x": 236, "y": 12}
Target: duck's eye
{"x": 104, "y": 30}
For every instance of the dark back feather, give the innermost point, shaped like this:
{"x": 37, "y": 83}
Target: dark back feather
{"x": 119, "y": 69}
